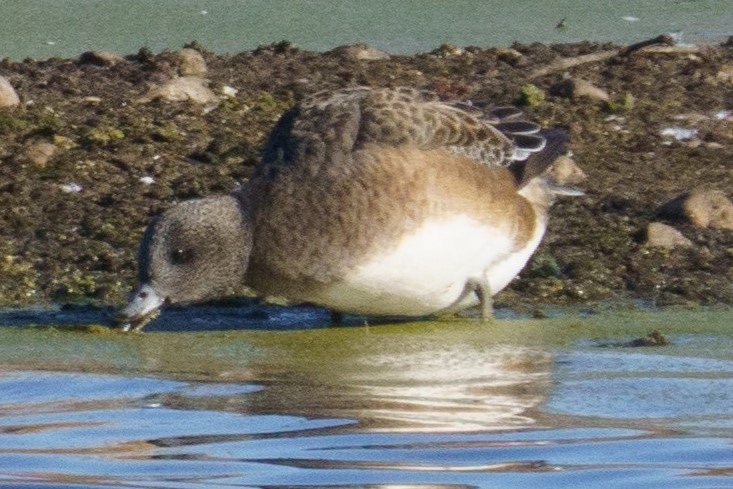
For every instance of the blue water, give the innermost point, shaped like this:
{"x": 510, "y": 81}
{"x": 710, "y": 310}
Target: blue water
{"x": 456, "y": 403}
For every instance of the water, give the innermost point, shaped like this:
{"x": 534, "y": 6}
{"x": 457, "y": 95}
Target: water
{"x": 46, "y": 28}
{"x": 561, "y": 402}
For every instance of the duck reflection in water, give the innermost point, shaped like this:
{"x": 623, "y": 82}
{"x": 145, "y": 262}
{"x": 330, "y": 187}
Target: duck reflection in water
{"x": 410, "y": 377}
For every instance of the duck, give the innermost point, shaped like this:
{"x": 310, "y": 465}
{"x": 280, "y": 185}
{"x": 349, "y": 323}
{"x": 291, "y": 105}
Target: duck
{"x": 368, "y": 201}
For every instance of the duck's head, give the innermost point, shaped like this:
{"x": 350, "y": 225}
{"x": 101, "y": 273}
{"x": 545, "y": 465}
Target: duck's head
{"x": 196, "y": 250}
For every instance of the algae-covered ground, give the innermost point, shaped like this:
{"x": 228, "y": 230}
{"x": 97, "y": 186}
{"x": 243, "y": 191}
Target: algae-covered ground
{"x": 73, "y": 209}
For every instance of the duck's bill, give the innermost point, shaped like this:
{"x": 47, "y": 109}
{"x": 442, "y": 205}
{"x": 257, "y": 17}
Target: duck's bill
{"x": 144, "y": 306}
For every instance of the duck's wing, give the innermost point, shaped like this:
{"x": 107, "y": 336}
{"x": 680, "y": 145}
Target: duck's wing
{"x": 331, "y": 125}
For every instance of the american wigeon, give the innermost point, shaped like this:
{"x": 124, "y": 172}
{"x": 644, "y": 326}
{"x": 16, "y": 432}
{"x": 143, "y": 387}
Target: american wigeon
{"x": 366, "y": 201}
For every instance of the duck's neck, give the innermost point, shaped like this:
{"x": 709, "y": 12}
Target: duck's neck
{"x": 539, "y": 193}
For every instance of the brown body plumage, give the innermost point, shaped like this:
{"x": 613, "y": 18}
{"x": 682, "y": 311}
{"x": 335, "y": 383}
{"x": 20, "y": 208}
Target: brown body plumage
{"x": 357, "y": 182}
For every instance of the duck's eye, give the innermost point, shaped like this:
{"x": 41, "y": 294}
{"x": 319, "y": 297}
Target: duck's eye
{"x": 180, "y": 256}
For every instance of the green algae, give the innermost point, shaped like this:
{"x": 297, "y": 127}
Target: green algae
{"x": 334, "y": 352}
{"x": 530, "y": 95}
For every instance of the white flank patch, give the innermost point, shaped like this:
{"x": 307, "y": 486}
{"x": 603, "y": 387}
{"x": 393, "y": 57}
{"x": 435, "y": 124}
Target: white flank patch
{"x": 428, "y": 270}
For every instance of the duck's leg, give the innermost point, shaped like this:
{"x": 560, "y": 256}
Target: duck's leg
{"x": 482, "y": 289}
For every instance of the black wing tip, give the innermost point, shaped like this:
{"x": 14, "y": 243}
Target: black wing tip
{"x": 538, "y": 162}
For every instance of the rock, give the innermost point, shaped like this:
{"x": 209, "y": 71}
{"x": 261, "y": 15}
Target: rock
{"x": 703, "y": 208}
{"x": 191, "y": 63}
{"x": 725, "y": 75}
{"x": 8, "y": 97}
{"x": 576, "y": 88}
{"x": 228, "y": 91}
{"x": 679, "y": 133}
{"x": 509, "y": 55}
{"x": 447, "y": 51}
{"x": 39, "y": 153}
{"x": 100, "y": 58}
{"x": 359, "y": 51}
{"x": 183, "y": 89}
{"x": 662, "y": 236}
{"x": 565, "y": 172}
{"x": 71, "y": 188}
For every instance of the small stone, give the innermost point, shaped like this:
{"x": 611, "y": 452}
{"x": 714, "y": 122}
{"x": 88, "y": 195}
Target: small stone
{"x": 100, "y": 58}
{"x": 725, "y": 74}
{"x": 679, "y": 133}
{"x": 146, "y": 180}
{"x": 566, "y": 172}
{"x": 39, "y": 153}
{"x": 192, "y": 63}
{"x": 71, "y": 188}
{"x": 653, "y": 338}
{"x": 92, "y": 100}
{"x": 703, "y": 208}
{"x": 447, "y": 51}
{"x": 183, "y": 89}
{"x": 228, "y": 91}
{"x": 662, "y": 236}
{"x": 8, "y": 97}
{"x": 359, "y": 51}
{"x": 576, "y": 88}
{"x": 508, "y": 55}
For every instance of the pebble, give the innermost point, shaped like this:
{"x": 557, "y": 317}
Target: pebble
{"x": 702, "y": 208}
{"x": 39, "y": 153}
{"x": 359, "y": 51}
{"x": 228, "y": 91}
{"x": 447, "y": 50}
{"x": 8, "y": 97}
{"x": 71, "y": 188}
{"x": 100, "y": 58}
{"x": 679, "y": 133}
{"x": 661, "y": 235}
{"x": 192, "y": 63}
{"x": 183, "y": 89}
{"x": 725, "y": 74}
{"x": 576, "y": 88}
{"x": 508, "y": 55}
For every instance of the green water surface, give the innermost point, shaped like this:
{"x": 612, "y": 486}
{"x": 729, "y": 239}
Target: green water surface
{"x": 46, "y": 28}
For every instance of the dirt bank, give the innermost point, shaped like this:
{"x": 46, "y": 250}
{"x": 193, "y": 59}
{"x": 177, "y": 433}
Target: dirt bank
{"x": 85, "y": 163}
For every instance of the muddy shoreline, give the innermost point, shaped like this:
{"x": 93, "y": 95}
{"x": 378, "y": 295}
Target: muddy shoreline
{"x": 89, "y": 156}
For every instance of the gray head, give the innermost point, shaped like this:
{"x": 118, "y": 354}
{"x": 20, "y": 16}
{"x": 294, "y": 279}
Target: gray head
{"x": 196, "y": 250}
